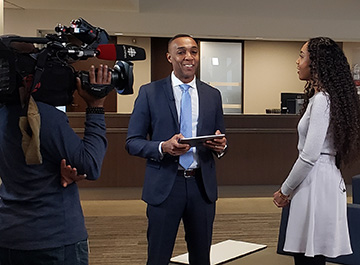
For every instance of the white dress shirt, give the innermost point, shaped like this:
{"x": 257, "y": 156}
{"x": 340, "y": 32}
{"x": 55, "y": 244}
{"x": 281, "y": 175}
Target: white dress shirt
{"x": 194, "y": 108}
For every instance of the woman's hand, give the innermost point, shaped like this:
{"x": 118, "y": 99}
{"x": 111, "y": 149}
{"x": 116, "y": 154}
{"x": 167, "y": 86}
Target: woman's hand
{"x": 280, "y": 200}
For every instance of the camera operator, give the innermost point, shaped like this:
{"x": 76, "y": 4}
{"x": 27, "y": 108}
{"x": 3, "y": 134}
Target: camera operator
{"x": 41, "y": 219}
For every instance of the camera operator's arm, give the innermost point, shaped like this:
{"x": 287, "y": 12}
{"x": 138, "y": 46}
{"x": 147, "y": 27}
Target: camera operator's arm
{"x": 94, "y": 113}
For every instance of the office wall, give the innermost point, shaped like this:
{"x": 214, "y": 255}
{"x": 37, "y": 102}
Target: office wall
{"x": 233, "y": 19}
{"x": 269, "y": 69}
{"x": 352, "y": 52}
{"x": 269, "y": 65}
{"x": 125, "y": 103}
{"x": 1, "y": 17}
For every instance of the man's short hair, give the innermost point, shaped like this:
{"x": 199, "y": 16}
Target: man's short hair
{"x": 180, "y": 36}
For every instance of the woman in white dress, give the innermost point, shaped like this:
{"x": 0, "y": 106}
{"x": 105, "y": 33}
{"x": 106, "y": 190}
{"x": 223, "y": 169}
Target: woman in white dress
{"x": 329, "y": 137}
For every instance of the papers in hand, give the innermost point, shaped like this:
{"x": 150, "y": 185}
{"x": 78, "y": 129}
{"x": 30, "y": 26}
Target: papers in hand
{"x": 199, "y": 140}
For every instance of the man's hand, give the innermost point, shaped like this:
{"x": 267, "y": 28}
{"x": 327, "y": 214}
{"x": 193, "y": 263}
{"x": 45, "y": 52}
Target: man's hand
{"x": 103, "y": 76}
{"x": 173, "y": 147}
{"x": 218, "y": 145}
{"x": 69, "y": 174}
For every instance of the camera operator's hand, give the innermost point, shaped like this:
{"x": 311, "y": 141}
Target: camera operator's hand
{"x": 69, "y": 174}
{"x": 103, "y": 76}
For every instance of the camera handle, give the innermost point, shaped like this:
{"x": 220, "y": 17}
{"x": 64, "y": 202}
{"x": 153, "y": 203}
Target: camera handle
{"x": 97, "y": 90}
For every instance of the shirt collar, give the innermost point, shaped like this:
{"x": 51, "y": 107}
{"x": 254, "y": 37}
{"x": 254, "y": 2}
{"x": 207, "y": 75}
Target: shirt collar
{"x": 176, "y": 81}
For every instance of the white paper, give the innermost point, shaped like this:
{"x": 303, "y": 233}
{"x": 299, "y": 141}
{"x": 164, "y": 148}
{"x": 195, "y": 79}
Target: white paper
{"x": 224, "y": 251}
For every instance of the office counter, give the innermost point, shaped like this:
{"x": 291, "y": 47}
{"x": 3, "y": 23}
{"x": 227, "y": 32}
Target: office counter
{"x": 262, "y": 150}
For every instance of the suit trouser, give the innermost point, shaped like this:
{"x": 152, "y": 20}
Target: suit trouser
{"x": 187, "y": 201}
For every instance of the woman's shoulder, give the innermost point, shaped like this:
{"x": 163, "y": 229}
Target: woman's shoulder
{"x": 320, "y": 97}
{"x": 320, "y": 101}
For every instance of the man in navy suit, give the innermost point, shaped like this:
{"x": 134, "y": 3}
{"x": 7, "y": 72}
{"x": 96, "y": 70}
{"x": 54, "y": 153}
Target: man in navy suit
{"x": 172, "y": 192}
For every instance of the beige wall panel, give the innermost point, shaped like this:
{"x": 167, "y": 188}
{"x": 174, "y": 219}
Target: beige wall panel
{"x": 1, "y": 17}
{"x": 125, "y": 103}
{"x": 352, "y": 52}
{"x": 269, "y": 69}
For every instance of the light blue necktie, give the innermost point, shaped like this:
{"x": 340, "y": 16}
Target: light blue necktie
{"x": 185, "y": 124}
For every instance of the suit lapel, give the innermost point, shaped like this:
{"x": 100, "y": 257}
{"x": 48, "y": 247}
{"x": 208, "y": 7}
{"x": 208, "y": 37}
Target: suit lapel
{"x": 171, "y": 100}
{"x": 202, "y": 104}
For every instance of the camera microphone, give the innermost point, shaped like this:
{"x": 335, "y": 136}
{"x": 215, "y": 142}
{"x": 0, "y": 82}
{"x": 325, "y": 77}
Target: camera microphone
{"x": 120, "y": 52}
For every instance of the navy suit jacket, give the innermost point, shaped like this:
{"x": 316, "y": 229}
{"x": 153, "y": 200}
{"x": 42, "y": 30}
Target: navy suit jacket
{"x": 154, "y": 119}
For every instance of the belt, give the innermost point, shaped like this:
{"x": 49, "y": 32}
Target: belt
{"x": 189, "y": 172}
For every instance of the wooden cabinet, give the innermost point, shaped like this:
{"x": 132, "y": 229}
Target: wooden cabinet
{"x": 262, "y": 150}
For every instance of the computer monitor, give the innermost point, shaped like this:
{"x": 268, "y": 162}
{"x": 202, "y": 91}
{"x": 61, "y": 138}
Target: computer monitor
{"x": 291, "y": 103}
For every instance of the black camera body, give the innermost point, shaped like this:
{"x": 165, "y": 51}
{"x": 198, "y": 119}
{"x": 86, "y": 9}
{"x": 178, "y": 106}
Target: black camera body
{"x": 121, "y": 76}
{"x": 47, "y": 73}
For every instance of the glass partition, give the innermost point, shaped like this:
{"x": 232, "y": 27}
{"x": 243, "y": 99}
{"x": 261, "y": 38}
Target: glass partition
{"x": 221, "y": 66}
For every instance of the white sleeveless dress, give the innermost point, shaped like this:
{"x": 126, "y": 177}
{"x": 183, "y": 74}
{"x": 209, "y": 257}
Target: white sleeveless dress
{"x": 317, "y": 223}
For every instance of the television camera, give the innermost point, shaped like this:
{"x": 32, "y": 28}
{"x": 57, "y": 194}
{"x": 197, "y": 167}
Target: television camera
{"x": 46, "y": 71}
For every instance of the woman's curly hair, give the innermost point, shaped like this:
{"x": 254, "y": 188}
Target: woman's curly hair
{"x": 330, "y": 72}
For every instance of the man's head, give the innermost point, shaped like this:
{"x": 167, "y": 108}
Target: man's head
{"x": 183, "y": 54}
